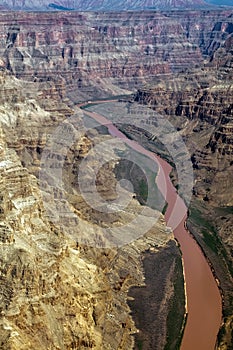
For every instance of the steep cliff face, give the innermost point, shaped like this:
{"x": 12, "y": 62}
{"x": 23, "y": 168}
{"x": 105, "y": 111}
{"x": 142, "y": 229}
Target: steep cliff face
{"x": 82, "y": 291}
{"x": 199, "y": 104}
{"x": 97, "y": 54}
{"x": 58, "y": 293}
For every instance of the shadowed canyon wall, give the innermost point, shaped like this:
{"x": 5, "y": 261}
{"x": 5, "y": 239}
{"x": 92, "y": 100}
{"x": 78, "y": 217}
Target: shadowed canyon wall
{"x": 199, "y": 103}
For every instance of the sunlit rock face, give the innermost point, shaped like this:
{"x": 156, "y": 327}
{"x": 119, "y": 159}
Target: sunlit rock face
{"x": 55, "y": 292}
{"x": 94, "y": 54}
{"x": 58, "y": 291}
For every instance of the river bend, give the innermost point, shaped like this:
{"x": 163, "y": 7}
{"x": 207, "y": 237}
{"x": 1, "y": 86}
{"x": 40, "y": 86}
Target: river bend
{"x": 204, "y": 305}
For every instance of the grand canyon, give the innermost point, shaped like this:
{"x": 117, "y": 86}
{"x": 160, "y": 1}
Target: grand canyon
{"x": 116, "y": 144}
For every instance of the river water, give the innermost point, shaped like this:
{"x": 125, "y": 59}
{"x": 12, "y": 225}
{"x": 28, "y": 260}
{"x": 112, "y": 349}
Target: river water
{"x": 204, "y": 304}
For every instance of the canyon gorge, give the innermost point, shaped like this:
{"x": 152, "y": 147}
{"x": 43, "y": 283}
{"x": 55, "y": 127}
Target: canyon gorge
{"x": 64, "y": 283}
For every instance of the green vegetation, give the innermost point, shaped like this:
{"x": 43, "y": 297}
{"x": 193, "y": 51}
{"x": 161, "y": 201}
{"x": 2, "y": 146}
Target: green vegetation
{"x": 88, "y": 105}
{"x": 197, "y": 218}
{"x": 210, "y": 235}
{"x": 203, "y": 223}
{"x": 165, "y": 208}
{"x": 210, "y": 240}
{"x": 221, "y": 333}
{"x": 140, "y": 174}
{"x": 176, "y": 317}
{"x": 140, "y": 344}
{"x": 129, "y": 136}
{"x": 224, "y": 210}
{"x": 110, "y": 98}
{"x": 143, "y": 190}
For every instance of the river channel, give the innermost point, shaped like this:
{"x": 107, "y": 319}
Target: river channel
{"x": 204, "y": 304}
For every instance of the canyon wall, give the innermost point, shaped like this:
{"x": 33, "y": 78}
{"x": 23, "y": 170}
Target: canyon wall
{"x": 49, "y": 62}
{"x": 98, "y": 54}
{"x": 58, "y": 290}
{"x": 199, "y": 104}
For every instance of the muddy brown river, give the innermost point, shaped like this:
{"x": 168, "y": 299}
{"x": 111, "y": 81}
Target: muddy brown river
{"x": 204, "y": 304}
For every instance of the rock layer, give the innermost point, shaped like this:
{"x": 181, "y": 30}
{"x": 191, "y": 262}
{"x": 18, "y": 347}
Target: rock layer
{"x": 199, "y": 104}
{"x": 57, "y": 293}
{"x": 46, "y": 274}
{"x": 96, "y": 54}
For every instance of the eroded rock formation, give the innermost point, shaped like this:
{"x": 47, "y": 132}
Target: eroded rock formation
{"x": 56, "y": 292}
{"x": 199, "y": 104}
{"x": 91, "y": 55}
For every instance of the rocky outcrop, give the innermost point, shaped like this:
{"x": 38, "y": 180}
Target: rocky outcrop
{"x": 199, "y": 104}
{"x": 56, "y": 291}
{"x": 202, "y": 111}
{"x": 90, "y": 55}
